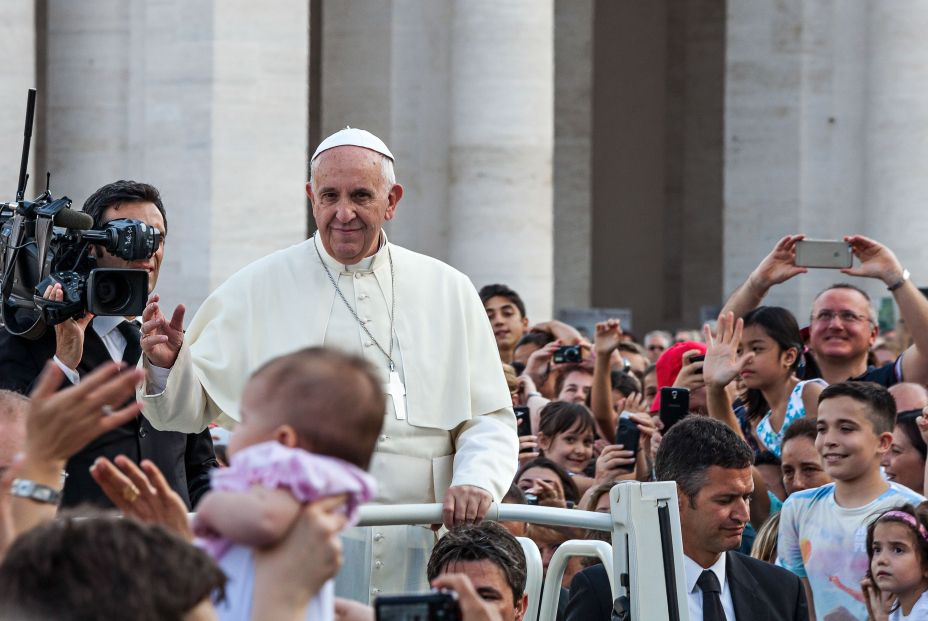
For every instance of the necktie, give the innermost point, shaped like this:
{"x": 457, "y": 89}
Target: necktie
{"x": 132, "y": 332}
{"x": 712, "y": 609}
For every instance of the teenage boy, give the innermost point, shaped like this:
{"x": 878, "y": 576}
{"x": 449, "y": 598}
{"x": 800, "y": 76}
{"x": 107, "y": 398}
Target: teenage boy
{"x": 823, "y": 530}
{"x": 506, "y": 312}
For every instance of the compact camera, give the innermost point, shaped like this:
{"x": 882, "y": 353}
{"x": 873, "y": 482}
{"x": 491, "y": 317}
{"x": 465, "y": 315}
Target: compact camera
{"x": 568, "y": 354}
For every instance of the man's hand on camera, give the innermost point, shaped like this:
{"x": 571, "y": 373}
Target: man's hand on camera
{"x": 69, "y": 334}
{"x": 162, "y": 339}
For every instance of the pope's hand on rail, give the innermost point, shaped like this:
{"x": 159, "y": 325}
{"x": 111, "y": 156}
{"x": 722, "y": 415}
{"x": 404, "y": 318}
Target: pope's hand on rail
{"x": 465, "y": 504}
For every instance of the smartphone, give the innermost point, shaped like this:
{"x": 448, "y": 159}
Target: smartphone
{"x": 824, "y": 253}
{"x": 627, "y": 434}
{"x": 523, "y": 420}
{"x": 701, "y": 358}
{"x": 434, "y": 606}
{"x": 675, "y": 404}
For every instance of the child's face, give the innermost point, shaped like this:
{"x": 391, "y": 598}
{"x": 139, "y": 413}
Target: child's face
{"x": 770, "y": 364}
{"x": 849, "y": 446}
{"x": 895, "y": 563}
{"x": 251, "y": 429}
{"x": 571, "y": 449}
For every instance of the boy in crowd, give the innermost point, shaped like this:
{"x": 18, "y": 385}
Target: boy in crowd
{"x": 506, "y": 312}
{"x": 823, "y": 530}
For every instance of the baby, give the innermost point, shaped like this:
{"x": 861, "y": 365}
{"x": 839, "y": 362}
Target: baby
{"x": 309, "y": 423}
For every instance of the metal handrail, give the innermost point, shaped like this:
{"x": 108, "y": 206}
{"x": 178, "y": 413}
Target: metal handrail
{"x": 389, "y": 515}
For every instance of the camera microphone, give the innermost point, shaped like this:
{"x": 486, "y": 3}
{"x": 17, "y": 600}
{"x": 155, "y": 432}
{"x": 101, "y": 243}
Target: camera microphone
{"x": 71, "y": 219}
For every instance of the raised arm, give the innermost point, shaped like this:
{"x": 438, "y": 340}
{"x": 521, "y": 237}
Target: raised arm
{"x": 258, "y": 517}
{"x": 878, "y": 261}
{"x": 722, "y": 365}
{"x": 607, "y": 339}
{"x": 777, "y": 267}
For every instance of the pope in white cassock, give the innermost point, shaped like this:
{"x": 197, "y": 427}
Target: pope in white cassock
{"x": 449, "y": 430}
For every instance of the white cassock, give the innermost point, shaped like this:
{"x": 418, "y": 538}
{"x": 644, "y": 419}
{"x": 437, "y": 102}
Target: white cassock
{"x": 459, "y": 427}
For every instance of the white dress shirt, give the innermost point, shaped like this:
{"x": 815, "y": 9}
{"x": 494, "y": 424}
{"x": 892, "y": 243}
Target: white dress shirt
{"x": 113, "y": 340}
{"x": 693, "y": 571}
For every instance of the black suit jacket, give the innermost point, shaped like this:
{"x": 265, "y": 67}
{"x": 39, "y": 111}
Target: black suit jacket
{"x": 759, "y": 592}
{"x": 185, "y": 459}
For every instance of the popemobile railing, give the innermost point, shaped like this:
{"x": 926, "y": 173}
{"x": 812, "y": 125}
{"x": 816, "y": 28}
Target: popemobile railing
{"x": 646, "y": 555}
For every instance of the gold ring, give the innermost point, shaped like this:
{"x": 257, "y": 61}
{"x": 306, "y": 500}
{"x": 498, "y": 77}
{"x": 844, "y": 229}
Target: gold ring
{"x": 130, "y": 493}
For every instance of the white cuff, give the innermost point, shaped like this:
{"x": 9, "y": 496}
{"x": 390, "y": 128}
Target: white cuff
{"x": 72, "y": 375}
{"x": 156, "y": 379}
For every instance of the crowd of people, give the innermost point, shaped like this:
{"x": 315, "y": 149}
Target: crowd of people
{"x": 354, "y": 371}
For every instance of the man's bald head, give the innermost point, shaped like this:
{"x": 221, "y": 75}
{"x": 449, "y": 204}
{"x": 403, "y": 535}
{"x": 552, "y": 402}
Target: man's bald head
{"x": 332, "y": 400}
{"x": 13, "y": 408}
{"x": 909, "y": 396}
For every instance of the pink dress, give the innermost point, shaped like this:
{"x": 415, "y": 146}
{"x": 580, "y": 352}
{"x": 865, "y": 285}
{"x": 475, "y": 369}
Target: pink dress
{"x": 306, "y": 475}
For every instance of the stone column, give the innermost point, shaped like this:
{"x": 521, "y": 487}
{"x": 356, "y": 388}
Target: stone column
{"x": 17, "y": 75}
{"x": 501, "y": 146}
{"x": 895, "y": 204}
{"x": 207, "y": 101}
{"x": 573, "y": 143}
{"x": 825, "y": 133}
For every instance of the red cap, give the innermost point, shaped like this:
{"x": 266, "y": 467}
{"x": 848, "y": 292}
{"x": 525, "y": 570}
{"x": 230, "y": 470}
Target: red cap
{"x": 668, "y": 367}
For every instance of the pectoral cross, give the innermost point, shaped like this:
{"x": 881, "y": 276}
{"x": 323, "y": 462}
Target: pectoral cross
{"x": 397, "y": 392}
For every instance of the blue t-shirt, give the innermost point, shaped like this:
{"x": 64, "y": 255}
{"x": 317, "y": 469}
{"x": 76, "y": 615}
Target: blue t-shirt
{"x": 827, "y": 544}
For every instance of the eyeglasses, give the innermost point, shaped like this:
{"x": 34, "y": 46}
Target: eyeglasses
{"x": 656, "y": 348}
{"x": 846, "y": 316}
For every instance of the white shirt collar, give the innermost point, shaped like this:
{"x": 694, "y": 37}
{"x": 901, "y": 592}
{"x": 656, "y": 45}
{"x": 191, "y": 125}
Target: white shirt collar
{"x": 103, "y": 325}
{"x": 694, "y": 570}
{"x": 367, "y": 264}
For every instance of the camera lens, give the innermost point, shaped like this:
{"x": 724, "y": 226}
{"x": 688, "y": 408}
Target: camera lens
{"x": 112, "y": 292}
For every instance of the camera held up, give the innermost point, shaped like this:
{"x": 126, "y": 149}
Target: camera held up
{"x": 44, "y": 242}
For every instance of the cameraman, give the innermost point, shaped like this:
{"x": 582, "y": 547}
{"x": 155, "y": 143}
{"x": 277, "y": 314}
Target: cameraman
{"x": 184, "y": 459}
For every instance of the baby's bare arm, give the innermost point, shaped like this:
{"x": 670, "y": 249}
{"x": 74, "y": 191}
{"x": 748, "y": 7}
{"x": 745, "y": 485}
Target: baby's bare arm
{"x": 258, "y": 517}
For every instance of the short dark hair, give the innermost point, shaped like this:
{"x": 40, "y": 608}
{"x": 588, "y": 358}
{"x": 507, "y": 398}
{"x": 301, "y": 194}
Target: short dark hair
{"x": 119, "y": 193}
{"x": 492, "y": 291}
{"x": 694, "y": 445}
{"x": 881, "y": 407}
{"x": 625, "y": 383}
{"x": 560, "y": 416}
{"x": 905, "y": 421}
{"x": 64, "y": 569}
{"x": 333, "y": 401}
{"x": 514, "y": 495}
{"x": 571, "y": 492}
{"x": 535, "y": 338}
{"x": 485, "y": 541}
{"x": 799, "y": 428}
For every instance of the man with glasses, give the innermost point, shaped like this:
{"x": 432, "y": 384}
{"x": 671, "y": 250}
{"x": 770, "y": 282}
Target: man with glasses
{"x": 656, "y": 342}
{"x": 843, "y": 324}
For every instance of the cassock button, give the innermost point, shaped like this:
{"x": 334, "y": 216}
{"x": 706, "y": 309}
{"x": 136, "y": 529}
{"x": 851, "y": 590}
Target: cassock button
{"x": 368, "y": 344}
{"x": 378, "y": 536}
{"x": 384, "y": 438}
{"x": 375, "y": 591}
{"x": 362, "y": 296}
{"x": 378, "y": 564}
{"x": 357, "y": 275}
{"x": 142, "y": 432}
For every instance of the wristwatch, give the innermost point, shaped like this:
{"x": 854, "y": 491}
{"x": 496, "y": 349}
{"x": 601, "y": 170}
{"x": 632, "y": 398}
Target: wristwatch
{"x": 24, "y": 488}
{"x": 900, "y": 282}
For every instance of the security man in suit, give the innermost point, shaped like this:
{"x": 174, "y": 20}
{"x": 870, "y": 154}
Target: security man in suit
{"x": 78, "y": 346}
{"x": 712, "y": 468}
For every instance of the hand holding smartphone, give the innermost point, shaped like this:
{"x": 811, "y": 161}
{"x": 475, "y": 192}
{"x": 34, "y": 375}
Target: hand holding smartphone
{"x": 675, "y": 404}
